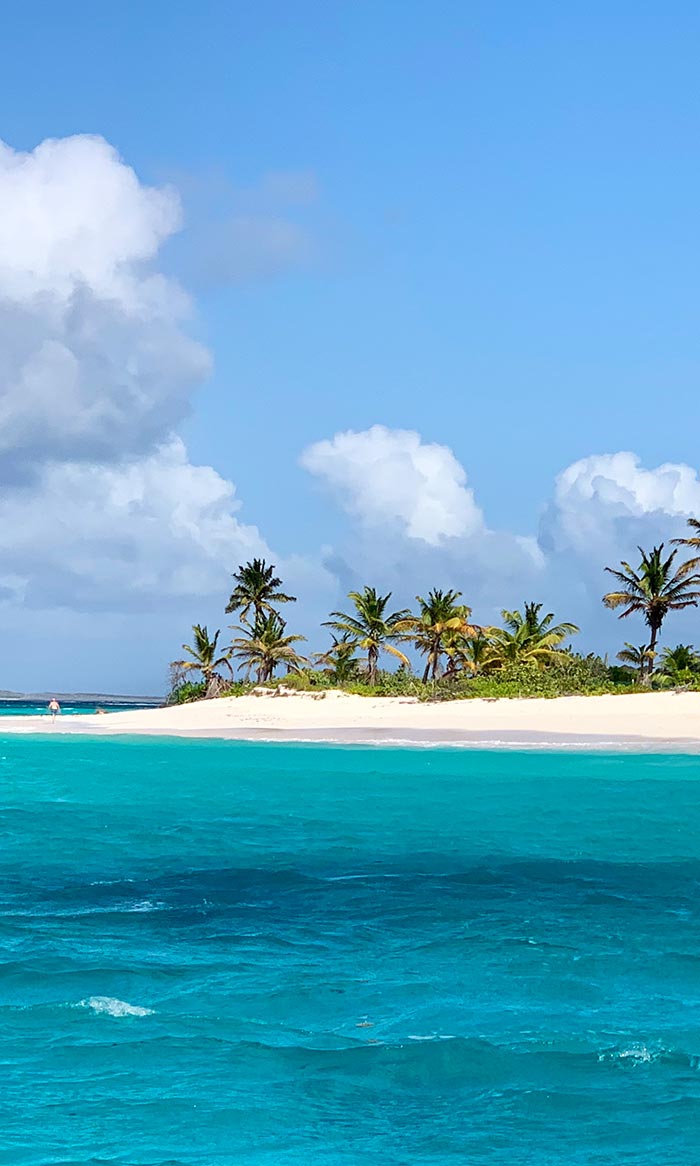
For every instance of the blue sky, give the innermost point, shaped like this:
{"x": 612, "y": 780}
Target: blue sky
{"x": 474, "y": 221}
{"x": 507, "y": 207}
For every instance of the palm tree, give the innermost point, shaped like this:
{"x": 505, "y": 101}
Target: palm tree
{"x": 682, "y": 658}
{"x": 528, "y": 638}
{"x": 340, "y": 661}
{"x": 440, "y": 615}
{"x": 265, "y": 646}
{"x": 637, "y": 658}
{"x": 693, "y": 541}
{"x": 472, "y": 653}
{"x": 371, "y": 628}
{"x": 654, "y": 589}
{"x": 257, "y": 587}
{"x": 203, "y": 656}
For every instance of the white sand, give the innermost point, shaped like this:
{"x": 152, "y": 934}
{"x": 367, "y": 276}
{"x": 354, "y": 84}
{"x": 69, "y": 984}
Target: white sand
{"x": 644, "y": 719}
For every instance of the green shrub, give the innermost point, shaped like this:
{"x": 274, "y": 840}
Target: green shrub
{"x": 190, "y": 690}
{"x": 571, "y": 675}
{"x": 304, "y": 681}
{"x": 401, "y": 683}
{"x": 682, "y": 678}
{"x": 186, "y": 691}
{"x": 236, "y": 688}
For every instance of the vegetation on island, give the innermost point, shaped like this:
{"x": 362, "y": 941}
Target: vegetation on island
{"x": 528, "y": 654}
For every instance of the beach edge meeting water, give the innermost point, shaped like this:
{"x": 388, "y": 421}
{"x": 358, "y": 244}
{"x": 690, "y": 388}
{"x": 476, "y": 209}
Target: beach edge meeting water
{"x": 646, "y": 719}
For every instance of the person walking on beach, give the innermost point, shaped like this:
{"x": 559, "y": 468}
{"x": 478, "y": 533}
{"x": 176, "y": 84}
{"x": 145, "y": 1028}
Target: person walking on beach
{"x": 54, "y": 707}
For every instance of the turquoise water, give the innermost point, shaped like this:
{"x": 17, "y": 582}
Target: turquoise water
{"x": 31, "y": 708}
{"x": 219, "y": 952}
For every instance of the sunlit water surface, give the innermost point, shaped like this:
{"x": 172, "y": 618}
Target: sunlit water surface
{"x": 219, "y": 952}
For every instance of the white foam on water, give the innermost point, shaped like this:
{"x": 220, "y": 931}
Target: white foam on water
{"x": 110, "y": 1006}
{"x": 636, "y": 1054}
{"x": 433, "y": 1036}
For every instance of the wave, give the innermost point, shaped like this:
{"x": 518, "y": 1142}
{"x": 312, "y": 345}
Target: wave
{"x": 110, "y": 1006}
{"x": 436, "y": 1061}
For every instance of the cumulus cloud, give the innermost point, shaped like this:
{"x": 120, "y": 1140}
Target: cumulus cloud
{"x": 612, "y": 498}
{"x": 101, "y": 510}
{"x": 100, "y": 506}
{"x": 418, "y": 524}
{"x": 94, "y": 359}
{"x": 103, "y": 519}
{"x": 602, "y": 509}
{"x": 391, "y": 477}
{"x": 135, "y": 535}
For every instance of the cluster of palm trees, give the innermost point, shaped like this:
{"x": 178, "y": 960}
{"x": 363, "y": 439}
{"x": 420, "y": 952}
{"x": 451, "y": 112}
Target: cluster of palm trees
{"x": 441, "y": 631}
{"x": 657, "y": 587}
{"x": 261, "y": 642}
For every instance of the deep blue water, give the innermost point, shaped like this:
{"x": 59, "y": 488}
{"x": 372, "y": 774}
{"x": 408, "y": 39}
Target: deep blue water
{"x": 220, "y": 952}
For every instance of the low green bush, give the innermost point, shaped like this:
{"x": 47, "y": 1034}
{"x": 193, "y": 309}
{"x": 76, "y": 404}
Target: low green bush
{"x": 303, "y": 681}
{"x": 186, "y": 691}
{"x": 401, "y": 683}
{"x": 236, "y": 688}
{"x": 682, "y": 678}
{"x": 572, "y": 675}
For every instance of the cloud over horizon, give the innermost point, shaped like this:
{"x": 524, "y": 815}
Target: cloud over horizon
{"x": 102, "y": 513}
{"x": 95, "y": 360}
{"x": 100, "y": 509}
{"x": 386, "y": 477}
{"x": 417, "y": 523}
{"x": 146, "y": 533}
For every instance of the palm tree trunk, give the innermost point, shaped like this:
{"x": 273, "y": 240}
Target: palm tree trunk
{"x": 649, "y": 664}
{"x": 372, "y": 657}
{"x": 426, "y": 673}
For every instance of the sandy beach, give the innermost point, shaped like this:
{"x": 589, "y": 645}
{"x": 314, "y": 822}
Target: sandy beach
{"x": 651, "y": 720}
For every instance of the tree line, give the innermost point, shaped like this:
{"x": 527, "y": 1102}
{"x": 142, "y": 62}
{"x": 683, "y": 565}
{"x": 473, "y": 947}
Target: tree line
{"x": 442, "y": 632}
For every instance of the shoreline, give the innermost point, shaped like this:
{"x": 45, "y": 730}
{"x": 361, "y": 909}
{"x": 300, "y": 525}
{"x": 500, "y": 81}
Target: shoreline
{"x": 653, "y": 721}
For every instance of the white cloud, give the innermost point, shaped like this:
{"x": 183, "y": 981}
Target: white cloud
{"x": 603, "y": 508}
{"x": 94, "y": 362}
{"x": 100, "y": 507}
{"x": 611, "y": 500}
{"x": 138, "y": 534}
{"x": 107, "y": 533}
{"x": 418, "y": 525}
{"x": 392, "y": 478}
{"x": 73, "y": 214}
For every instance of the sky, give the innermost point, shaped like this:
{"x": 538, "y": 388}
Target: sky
{"x": 393, "y": 294}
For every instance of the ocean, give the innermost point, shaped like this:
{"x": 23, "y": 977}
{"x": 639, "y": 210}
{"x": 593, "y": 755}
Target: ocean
{"x": 33, "y": 708}
{"x": 232, "y": 953}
